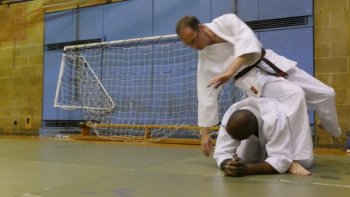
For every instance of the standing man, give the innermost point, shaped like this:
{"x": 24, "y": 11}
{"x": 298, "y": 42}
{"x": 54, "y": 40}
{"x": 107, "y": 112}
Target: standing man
{"x": 229, "y": 48}
{"x": 255, "y": 138}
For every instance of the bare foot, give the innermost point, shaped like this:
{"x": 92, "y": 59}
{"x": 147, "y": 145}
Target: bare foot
{"x": 297, "y": 169}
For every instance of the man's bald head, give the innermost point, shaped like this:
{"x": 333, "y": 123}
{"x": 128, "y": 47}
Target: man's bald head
{"x": 242, "y": 124}
{"x": 187, "y": 21}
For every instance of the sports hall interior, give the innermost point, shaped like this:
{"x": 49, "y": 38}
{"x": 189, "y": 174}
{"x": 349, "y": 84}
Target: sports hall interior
{"x": 48, "y": 151}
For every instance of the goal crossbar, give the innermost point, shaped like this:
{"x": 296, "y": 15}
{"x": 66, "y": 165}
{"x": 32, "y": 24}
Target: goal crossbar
{"x": 129, "y": 126}
{"x": 121, "y": 42}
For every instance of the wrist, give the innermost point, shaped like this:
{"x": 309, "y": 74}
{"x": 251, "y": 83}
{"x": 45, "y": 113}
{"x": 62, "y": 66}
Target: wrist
{"x": 204, "y": 131}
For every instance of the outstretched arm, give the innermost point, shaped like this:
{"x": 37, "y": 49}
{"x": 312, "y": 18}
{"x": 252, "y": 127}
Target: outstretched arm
{"x": 226, "y": 75}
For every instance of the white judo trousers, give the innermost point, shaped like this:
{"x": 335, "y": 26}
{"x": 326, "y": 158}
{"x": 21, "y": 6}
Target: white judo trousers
{"x": 250, "y": 151}
{"x": 292, "y": 100}
{"x": 319, "y": 97}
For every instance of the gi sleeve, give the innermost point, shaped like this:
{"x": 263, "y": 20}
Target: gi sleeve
{"x": 234, "y": 30}
{"x": 208, "y": 107}
{"x": 226, "y": 146}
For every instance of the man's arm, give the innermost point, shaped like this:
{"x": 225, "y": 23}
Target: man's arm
{"x": 225, "y": 148}
{"x": 206, "y": 141}
{"x": 260, "y": 168}
{"x": 246, "y": 46}
{"x": 226, "y": 75}
{"x": 236, "y": 168}
{"x": 207, "y": 104}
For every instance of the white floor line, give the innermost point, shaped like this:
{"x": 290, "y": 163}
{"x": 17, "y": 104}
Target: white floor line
{"x": 332, "y": 185}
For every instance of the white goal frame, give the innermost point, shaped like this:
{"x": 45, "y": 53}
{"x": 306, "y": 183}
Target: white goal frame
{"x": 133, "y": 131}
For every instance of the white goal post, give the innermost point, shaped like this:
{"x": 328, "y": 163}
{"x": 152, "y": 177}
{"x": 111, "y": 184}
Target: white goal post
{"x": 142, "y": 88}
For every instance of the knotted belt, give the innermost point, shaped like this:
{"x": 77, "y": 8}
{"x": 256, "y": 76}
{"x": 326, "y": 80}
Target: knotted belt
{"x": 278, "y": 72}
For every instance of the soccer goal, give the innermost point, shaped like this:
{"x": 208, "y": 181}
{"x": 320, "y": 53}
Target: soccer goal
{"x": 136, "y": 89}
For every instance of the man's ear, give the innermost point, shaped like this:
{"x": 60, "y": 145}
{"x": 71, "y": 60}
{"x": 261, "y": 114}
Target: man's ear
{"x": 201, "y": 27}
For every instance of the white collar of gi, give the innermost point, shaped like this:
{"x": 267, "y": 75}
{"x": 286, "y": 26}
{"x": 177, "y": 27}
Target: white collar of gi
{"x": 255, "y": 112}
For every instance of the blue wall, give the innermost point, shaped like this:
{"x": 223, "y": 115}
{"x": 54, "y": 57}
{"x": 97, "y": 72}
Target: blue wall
{"x": 118, "y": 21}
{"x": 115, "y": 21}
{"x": 252, "y": 10}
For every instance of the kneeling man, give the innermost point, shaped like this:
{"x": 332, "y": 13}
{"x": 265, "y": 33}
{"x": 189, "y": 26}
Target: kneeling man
{"x": 255, "y": 138}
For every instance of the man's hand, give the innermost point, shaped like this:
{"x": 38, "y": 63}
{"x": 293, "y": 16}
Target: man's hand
{"x": 234, "y": 167}
{"x": 206, "y": 142}
{"x": 226, "y": 75}
{"x": 221, "y": 78}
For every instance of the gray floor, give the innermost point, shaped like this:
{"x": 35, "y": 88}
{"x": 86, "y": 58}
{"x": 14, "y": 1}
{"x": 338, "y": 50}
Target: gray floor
{"x": 49, "y": 168}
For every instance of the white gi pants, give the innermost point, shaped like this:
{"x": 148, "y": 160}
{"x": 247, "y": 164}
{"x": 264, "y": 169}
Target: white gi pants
{"x": 319, "y": 97}
{"x": 292, "y": 99}
{"x": 250, "y": 151}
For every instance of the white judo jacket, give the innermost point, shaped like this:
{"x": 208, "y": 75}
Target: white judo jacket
{"x": 274, "y": 134}
{"x": 216, "y": 58}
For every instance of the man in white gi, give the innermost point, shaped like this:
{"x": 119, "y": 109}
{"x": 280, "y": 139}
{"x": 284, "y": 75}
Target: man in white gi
{"x": 255, "y": 138}
{"x": 227, "y": 46}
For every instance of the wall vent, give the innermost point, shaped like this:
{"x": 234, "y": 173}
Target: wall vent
{"x": 278, "y": 23}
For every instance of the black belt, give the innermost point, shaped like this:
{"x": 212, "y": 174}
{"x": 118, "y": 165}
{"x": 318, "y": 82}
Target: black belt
{"x": 278, "y": 72}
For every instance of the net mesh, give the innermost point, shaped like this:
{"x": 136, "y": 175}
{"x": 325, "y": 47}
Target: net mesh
{"x": 138, "y": 89}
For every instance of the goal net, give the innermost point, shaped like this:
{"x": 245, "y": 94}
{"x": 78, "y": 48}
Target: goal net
{"x": 135, "y": 89}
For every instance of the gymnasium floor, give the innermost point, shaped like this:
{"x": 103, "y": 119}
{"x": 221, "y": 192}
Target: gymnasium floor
{"x": 34, "y": 167}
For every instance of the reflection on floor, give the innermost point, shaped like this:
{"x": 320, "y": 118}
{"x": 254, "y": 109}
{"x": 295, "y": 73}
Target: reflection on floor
{"x": 33, "y": 167}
